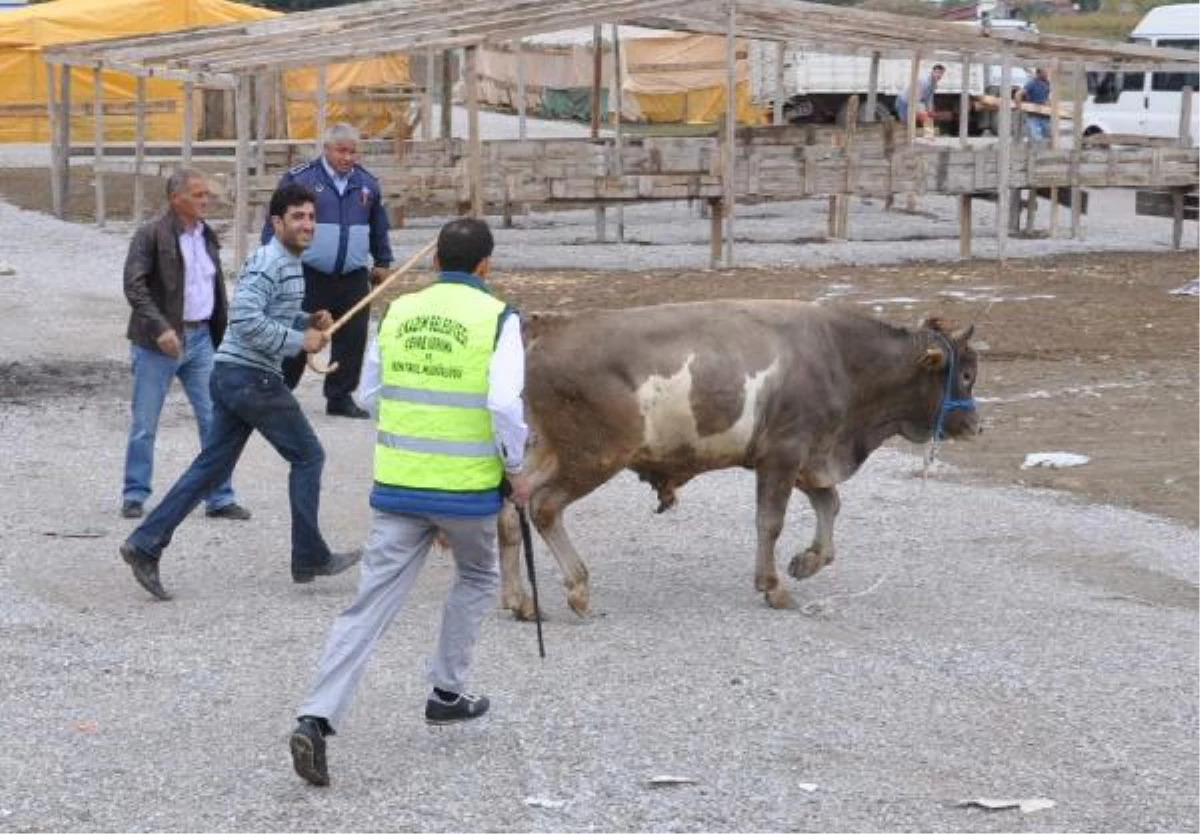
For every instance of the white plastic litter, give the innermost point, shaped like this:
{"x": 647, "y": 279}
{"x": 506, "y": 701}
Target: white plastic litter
{"x": 1026, "y": 806}
{"x": 1192, "y": 287}
{"x": 544, "y": 802}
{"x": 1054, "y": 460}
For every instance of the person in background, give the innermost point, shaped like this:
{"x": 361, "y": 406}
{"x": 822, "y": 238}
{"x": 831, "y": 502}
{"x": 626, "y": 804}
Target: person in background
{"x": 925, "y": 97}
{"x": 176, "y": 293}
{"x": 448, "y": 369}
{"x": 1036, "y": 91}
{"x": 351, "y": 235}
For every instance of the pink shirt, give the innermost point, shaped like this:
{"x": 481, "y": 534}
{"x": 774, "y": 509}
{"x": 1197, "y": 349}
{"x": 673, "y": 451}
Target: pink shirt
{"x": 199, "y": 272}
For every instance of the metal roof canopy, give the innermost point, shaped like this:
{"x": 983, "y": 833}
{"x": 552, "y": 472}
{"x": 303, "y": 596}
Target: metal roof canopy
{"x": 218, "y": 55}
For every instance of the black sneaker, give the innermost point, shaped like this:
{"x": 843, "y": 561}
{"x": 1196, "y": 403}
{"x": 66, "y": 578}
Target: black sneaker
{"x": 346, "y": 408}
{"x": 308, "y": 751}
{"x": 132, "y": 509}
{"x": 462, "y": 708}
{"x": 233, "y": 512}
{"x": 145, "y": 570}
{"x": 336, "y": 564}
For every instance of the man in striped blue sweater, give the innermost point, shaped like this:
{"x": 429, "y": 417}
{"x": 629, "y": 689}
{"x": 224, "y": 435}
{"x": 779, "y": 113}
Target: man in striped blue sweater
{"x": 266, "y": 324}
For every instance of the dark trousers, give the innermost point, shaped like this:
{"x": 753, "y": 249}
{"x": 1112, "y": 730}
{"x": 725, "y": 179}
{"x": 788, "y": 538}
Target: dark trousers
{"x": 337, "y": 294}
{"x": 245, "y": 399}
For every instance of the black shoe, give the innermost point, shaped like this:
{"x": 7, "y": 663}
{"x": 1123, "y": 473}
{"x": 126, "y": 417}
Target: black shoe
{"x": 462, "y": 708}
{"x": 132, "y": 509}
{"x": 346, "y": 408}
{"x": 337, "y": 563}
{"x": 145, "y": 570}
{"x": 233, "y": 512}
{"x": 308, "y": 751}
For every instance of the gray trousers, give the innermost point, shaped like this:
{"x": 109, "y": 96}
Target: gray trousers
{"x": 394, "y": 554}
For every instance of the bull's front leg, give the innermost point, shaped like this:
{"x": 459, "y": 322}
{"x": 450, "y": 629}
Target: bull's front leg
{"x": 513, "y": 595}
{"x": 547, "y": 518}
{"x": 774, "y": 488}
{"x": 825, "y": 503}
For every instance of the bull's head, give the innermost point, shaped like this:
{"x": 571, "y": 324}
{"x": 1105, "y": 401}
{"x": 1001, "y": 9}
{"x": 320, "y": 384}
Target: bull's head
{"x": 951, "y": 366}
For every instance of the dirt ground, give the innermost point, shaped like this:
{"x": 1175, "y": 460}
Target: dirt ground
{"x": 1090, "y": 355}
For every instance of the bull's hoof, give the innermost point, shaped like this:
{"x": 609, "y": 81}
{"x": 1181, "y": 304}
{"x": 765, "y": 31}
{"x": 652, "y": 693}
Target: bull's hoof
{"x": 760, "y": 583}
{"x": 804, "y": 565}
{"x": 579, "y": 598}
{"x": 522, "y": 608}
{"x": 778, "y": 597}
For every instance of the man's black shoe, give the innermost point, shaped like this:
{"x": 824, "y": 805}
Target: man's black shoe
{"x": 462, "y": 708}
{"x": 132, "y": 509}
{"x": 233, "y": 512}
{"x": 346, "y": 408}
{"x": 308, "y": 751}
{"x": 145, "y": 570}
{"x": 336, "y": 564}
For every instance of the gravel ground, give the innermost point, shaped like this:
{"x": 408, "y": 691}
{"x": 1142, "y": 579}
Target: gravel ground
{"x": 1001, "y": 643}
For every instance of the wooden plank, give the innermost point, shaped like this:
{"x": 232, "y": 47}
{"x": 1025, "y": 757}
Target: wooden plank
{"x": 729, "y": 173}
{"x": 964, "y": 101}
{"x": 447, "y": 96}
{"x": 873, "y": 87}
{"x": 1055, "y": 139}
{"x": 139, "y": 153}
{"x": 1004, "y": 147}
{"x": 1078, "y": 90}
{"x": 964, "y": 226}
{"x": 777, "y": 99}
{"x": 241, "y": 206}
{"x": 618, "y": 119}
{"x": 189, "y": 121}
{"x": 427, "y": 96}
{"x": 64, "y": 137}
{"x": 914, "y": 81}
{"x": 98, "y": 144}
{"x": 475, "y": 160}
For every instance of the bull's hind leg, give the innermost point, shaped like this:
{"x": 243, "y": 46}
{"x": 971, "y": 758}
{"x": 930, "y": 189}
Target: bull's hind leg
{"x": 825, "y": 503}
{"x": 774, "y": 488}
{"x": 513, "y": 595}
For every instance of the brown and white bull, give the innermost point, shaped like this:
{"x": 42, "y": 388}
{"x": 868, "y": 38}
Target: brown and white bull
{"x": 800, "y": 393}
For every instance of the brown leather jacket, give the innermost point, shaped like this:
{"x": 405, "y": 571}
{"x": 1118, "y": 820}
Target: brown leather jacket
{"x": 154, "y": 282}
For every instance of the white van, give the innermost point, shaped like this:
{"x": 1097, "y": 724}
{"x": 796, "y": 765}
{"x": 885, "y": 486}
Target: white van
{"x": 1148, "y": 103}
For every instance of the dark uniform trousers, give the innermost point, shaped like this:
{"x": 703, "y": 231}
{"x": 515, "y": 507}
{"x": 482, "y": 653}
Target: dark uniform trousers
{"x": 337, "y": 294}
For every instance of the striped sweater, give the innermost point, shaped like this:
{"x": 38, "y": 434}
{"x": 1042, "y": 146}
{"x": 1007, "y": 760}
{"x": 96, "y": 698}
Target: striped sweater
{"x": 266, "y": 323}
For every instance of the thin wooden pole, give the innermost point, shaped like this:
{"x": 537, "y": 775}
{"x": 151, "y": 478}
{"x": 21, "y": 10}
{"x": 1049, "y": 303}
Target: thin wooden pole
{"x": 780, "y": 95}
{"x": 522, "y": 127}
{"x": 139, "y": 154}
{"x": 475, "y": 163}
{"x": 1003, "y": 157}
{"x": 597, "y": 71}
{"x": 322, "y": 107}
{"x": 447, "y": 95}
{"x": 914, "y": 82}
{"x": 1185, "y": 141}
{"x": 1055, "y": 139}
{"x": 964, "y": 103}
{"x": 843, "y": 209}
{"x": 618, "y": 130}
{"x": 873, "y": 88}
{"x": 56, "y": 151}
{"x": 64, "y": 127}
{"x": 241, "y": 209}
{"x": 1078, "y": 89}
{"x": 964, "y": 226}
{"x": 714, "y": 232}
{"x": 730, "y": 131}
{"x": 98, "y": 144}
{"x": 262, "y": 101}
{"x": 189, "y": 121}
{"x": 427, "y": 96}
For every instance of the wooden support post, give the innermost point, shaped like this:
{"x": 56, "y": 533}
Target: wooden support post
{"x": 139, "y": 153}
{"x": 98, "y": 144}
{"x": 322, "y": 107}
{"x": 729, "y": 174}
{"x": 843, "y": 216}
{"x": 447, "y": 95}
{"x": 57, "y": 152}
{"x": 64, "y": 128}
{"x": 427, "y": 96}
{"x": 1055, "y": 140}
{"x": 1185, "y": 141}
{"x": 597, "y": 71}
{"x": 964, "y": 103}
{"x": 521, "y": 105}
{"x": 618, "y": 130}
{"x": 964, "y": 226}
{"x": 475, "y": 162}
{"x": 241, "y": 178}
{"x": 1004, "y": 157}
{"x": 262, "y": 101}
{"x": 189, "y": 121}
{"x": 873, "y": 88}
{"x": 1078, "y": 91}
{"x": 714, "y": 232}
{"x": 914, "y": 86}
{"x": 780, "y": 94}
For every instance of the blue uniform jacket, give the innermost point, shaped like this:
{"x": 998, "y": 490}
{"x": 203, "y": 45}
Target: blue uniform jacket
{"x": 349, "y": 227}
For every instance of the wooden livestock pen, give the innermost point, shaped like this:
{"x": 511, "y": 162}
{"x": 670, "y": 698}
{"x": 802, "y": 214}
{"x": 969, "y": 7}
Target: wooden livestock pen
{"x": 866, "y": 157}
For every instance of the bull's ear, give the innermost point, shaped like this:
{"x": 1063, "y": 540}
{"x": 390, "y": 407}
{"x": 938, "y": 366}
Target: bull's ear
{"x": 934, "y": 359}
{"x": 961, "y": 337}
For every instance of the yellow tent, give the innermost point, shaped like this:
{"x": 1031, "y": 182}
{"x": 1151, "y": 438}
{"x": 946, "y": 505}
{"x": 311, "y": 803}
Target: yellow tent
{"x": 23, "y": 33}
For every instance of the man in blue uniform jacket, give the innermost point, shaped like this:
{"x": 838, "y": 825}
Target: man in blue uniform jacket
{"x": 349, "y": 252}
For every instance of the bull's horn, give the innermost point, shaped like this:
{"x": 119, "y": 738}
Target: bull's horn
{"x": 963, "y": 335}
{"x": 934, "y": 358}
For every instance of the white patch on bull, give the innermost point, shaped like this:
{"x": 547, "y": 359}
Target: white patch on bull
{"x": 669, "y": 424}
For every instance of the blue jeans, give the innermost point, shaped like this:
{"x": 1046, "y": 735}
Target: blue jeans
{"x": 1037, "y": 127}
{"x": 245, "y": 399}
{"x": 152, "y": 375}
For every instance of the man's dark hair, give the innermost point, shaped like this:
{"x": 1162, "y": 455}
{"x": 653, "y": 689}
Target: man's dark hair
{"x": 292, "y": 194}
{"x": 463, "y": 244}
{"x": 941, "y": 67}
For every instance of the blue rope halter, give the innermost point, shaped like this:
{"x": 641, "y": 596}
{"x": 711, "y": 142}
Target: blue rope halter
{"x": 948, "y": 403}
